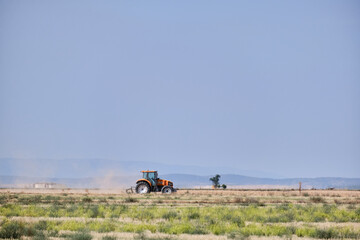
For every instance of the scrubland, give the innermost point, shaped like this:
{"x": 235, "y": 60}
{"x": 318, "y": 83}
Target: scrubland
{"x": 187, "y": 214}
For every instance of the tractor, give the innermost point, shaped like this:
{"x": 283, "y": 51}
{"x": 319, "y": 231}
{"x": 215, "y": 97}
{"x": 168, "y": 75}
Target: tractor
{"x": 151, "y": 183}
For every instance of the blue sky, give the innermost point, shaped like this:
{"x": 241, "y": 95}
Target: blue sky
{"x": 272, "y": 86}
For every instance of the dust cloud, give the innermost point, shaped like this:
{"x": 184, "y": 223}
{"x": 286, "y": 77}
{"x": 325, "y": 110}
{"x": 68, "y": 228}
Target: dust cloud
{"x": 24, "y": 173}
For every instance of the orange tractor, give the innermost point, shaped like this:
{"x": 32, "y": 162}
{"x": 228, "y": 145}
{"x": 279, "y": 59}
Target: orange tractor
{"x": 151, "y": 183}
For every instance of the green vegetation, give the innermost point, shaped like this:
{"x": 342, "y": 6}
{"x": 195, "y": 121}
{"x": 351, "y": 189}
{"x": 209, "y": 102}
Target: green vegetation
{"x": 15, "y": 229}
{"x": 108, "y": 238}
{"x": 252, "y": 213}
{"x": 80, "y": 235}
{"x": 76, "y": 217}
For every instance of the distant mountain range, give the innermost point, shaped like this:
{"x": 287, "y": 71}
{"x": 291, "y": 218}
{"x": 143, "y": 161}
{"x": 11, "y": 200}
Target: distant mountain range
{"x": 100, "y": 173}
{"x": 85, "y": 168}
{"x": 251, "y": 182}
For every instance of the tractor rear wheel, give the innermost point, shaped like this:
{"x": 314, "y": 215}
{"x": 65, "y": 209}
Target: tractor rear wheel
{"x": 167, "y": 190}
{"x": 142, "y": 188}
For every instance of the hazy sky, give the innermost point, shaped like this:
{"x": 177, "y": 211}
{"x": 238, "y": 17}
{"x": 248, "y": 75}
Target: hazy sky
{"x": 261, "y": 85}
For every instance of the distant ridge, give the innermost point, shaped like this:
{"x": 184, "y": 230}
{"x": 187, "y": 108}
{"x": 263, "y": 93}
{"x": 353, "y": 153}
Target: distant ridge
{"x": 240, "y": 180}
{"x": 97, "y": 167}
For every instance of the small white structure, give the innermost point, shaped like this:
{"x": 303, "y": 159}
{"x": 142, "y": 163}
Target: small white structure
{"x": 49, "y": 185}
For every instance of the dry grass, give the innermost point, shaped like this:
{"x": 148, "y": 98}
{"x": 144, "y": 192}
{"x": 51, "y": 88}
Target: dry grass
{"x": 188, "y": 197}
{"x": 230, "y": 198}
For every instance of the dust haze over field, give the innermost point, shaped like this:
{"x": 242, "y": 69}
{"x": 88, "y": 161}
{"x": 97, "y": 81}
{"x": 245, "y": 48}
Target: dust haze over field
{"x": 77, "y": 173}
{"x": 89, "y": 175}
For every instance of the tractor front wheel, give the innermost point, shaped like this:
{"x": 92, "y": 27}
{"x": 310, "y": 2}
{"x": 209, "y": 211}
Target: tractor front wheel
{"x": 142, "y": 188}
{"x": 167, "y": 190}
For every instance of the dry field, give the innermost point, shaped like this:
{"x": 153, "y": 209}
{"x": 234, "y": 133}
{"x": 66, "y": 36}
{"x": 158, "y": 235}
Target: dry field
{"x": 187, "y": 214}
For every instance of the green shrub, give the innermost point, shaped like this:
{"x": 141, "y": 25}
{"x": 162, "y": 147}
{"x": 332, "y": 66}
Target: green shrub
{"x": 317, "y": 200}
{"x": 40, "y": 236}
{"x": 169, "y": 215}
{"x": 238, "y": 221}
{"x": 181, "y": 228}
{"x": 106, "y": 226}
{"x": 53, "y": 211}
{"x": 82, "y": 235}
{"x": 109, "y": 238}
{"x": 328, "y": 233}
{"x": 30, "y": 199}
{"x": 319, "y": 217}
{"x": 3, "y": 199}
{"x": 192, "y": 213}
{"x": 9, "y": 210}
{"x": 136, "y": 228}
{"x": 70, "y": 225}
{"x": 41, "y": 225}
{"x": 131, "y": 200}
{"x": 12, "y": 229}
{"x": 324, "y": 233}
{"x": 30, "y": 230}
{"x": 50, "y": 198}
{"x": 267, "y": 230}
{"x": 87, "y": 200}
{"x": 95, "y": 212}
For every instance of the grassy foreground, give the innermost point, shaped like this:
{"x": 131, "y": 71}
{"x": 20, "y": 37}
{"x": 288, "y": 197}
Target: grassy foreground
{"x": 222, "y": 216}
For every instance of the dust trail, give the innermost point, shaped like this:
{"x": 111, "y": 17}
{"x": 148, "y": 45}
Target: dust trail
{"x": 78, "y": 173}
{"x": 110, "y": 180}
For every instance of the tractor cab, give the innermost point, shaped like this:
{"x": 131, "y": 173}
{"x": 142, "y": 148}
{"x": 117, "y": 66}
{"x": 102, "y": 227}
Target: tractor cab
{"x": 151, "y": 176}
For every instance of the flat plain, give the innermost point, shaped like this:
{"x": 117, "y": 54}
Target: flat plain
{"x": 186, "y": 214}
